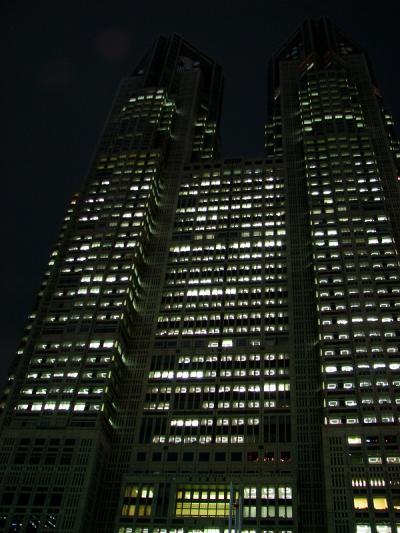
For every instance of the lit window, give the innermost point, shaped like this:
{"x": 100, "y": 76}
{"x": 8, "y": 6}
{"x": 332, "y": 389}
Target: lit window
{"x": 380, "y": 503}
{"x": 363, "y": 528}
{"x": 360, "y": 503}
{"x": 354, "y": 440}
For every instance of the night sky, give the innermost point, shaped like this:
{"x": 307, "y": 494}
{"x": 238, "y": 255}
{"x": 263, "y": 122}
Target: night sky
{"x": 61, "y": 64}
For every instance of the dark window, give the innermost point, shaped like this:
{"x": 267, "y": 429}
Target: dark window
{"x": 39, "y": 499}
{"x": 188, "y": 456}
{"x": 7, "y": 498}
{"x": 285, "y": 457}
{"x": 23, "y": 499}
{"x": 269, "y": 457}
{"x": 252, "y": 456}
{"x": 55, "y": 499}
{"x": 236, "y": 456}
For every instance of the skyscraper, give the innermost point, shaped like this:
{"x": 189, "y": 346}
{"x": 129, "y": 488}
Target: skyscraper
{"x": 215, "y": 331}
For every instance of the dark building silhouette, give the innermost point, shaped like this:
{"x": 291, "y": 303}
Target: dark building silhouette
{"x": 213, "y": 330}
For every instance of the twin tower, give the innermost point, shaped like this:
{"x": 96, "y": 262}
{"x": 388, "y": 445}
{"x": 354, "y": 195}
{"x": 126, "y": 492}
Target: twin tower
{"x": 216, "y": 342}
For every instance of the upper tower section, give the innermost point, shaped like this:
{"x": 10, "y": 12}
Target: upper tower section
{"x": 165, "y": 115}
{"x": 314, "y": 42}
{"x": 319, "y": 46}
{"x": 174, "y": 94}
{"x": 316, "y": 37}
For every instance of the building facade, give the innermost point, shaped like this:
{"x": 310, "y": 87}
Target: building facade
{"x": 213, "y": 331}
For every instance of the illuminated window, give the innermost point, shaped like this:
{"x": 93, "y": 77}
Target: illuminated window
{"x": 363, "y": 528}
{"x": 354, "y": 440}
{"x": 360, "y": 503}
{"x": 137, "y": 501}
{"x": 194, "y": 500}
{"x": 384, "y": 528}
{"x": 380, "y": 503}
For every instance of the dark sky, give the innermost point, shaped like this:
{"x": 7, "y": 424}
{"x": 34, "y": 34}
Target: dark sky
{"x": 60, "y": 66}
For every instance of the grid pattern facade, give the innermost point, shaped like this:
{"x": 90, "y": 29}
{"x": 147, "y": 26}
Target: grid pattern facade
{"x": 66, "y": 397}
{"x": 218, "y": 333}
{"x": 328, "y": 118}
{"x": 216, "y": 400}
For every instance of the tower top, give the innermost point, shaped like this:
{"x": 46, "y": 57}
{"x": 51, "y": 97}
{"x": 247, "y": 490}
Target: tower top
{"x": 316, "y": 36}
